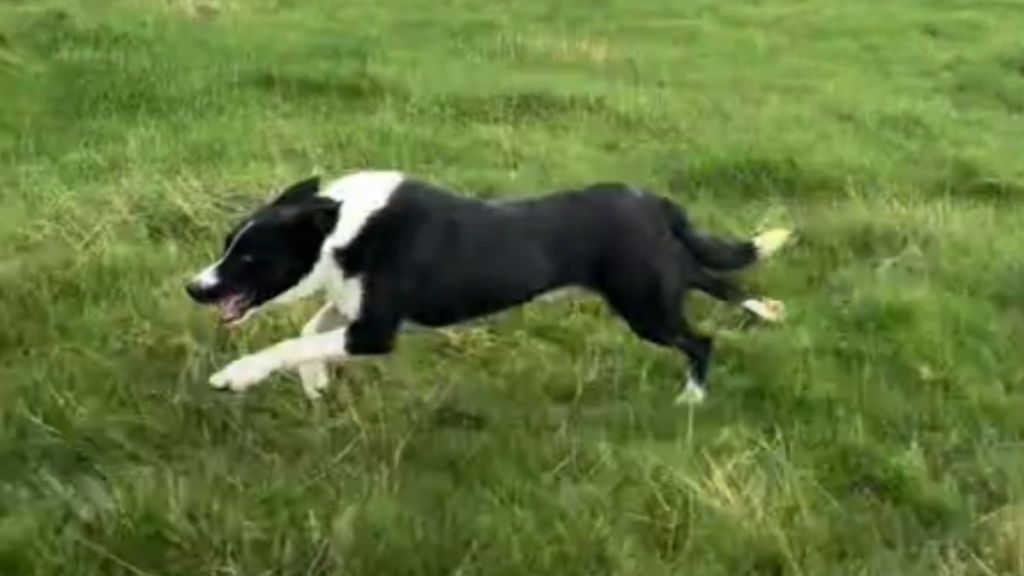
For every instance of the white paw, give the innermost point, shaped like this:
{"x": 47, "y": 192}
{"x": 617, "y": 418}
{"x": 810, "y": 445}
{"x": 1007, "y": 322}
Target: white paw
{"x": 765, "y": 308}
{"x": 692, "y": 395}
{"x": 767, "y": 243}
{"x": 315, "y": 379}
{"x": 242, "y": 373}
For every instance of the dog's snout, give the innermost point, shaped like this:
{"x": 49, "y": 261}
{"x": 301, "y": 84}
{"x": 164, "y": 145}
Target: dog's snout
{"x": 193, "y": 290}
{"x": 203, "y": 287}
{"x": 197, "y": 291}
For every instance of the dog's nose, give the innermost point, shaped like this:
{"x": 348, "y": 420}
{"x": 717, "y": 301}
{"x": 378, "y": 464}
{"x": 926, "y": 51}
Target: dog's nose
{"x": 194, "y": 291}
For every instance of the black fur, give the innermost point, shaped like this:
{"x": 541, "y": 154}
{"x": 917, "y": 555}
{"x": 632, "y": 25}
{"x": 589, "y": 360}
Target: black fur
{"x": 438, "y": 259}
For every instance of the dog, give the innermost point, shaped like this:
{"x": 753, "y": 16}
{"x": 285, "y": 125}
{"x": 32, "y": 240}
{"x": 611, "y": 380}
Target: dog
{"x": 387, "y": 249}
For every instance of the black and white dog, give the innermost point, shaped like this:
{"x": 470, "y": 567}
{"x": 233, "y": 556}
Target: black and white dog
{"x": 386, "y": 249}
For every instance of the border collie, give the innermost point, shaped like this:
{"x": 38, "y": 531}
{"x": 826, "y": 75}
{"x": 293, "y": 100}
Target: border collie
{"x": 386, "y": 249}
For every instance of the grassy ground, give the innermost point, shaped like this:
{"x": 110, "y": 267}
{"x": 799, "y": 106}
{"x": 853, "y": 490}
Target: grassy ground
{"x": 879, "y": 431}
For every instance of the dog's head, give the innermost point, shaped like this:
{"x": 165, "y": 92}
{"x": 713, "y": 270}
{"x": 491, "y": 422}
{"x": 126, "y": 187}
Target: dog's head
{"x": 270, "y": 256}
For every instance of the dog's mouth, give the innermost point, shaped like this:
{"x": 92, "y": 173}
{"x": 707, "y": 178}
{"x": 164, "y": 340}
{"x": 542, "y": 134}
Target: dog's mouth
{"x": 233, "y": 308}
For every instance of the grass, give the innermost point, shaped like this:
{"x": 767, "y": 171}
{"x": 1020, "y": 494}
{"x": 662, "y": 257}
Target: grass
{"x": 878, "y": 431}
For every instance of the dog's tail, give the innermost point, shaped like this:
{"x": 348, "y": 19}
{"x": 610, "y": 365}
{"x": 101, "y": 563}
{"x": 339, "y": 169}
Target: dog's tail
{"x": 716, "y": 253}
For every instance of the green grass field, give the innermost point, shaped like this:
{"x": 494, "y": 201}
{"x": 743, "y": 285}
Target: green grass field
{"x": 879, "y": 430}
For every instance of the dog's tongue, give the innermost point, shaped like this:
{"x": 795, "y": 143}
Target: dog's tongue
{"x": 232, "y": 308}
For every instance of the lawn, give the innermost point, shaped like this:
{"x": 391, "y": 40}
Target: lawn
{"x": 879, "y": 430}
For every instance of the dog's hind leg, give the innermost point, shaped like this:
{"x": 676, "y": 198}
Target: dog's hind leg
{"x": 675, "y": 333}
{"x": 698, "y": 351}
{"x": 765, "y": 308}
{"x": 654, "y": 313}
{"x": 722, "y": 289}
{"x": 315, "y": 375}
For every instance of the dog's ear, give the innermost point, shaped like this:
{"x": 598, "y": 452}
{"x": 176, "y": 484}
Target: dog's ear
{"x": 324, "y": 212}
{"x": 298, "y": 192}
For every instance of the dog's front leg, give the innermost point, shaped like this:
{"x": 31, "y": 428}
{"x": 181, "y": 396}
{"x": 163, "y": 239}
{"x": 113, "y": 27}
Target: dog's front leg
{"x": 289, "y": 354}
{"x": 314, "y": 375}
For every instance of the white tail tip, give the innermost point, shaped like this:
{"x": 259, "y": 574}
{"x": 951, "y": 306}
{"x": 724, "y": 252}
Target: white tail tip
{"x": 767, "y": 243}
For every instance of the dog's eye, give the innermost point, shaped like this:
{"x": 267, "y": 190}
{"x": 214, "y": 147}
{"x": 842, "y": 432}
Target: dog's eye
{"x": 247, "y": 258}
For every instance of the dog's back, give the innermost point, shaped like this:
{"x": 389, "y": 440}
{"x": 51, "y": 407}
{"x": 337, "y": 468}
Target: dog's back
{"x": 455, "y": 258}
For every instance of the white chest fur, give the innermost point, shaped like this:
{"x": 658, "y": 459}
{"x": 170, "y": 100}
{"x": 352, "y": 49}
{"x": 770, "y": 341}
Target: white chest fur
{"x": 346, "y": 294}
